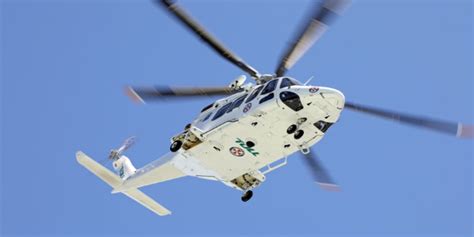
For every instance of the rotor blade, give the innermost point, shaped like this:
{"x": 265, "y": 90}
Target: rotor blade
{"x": 457, "y": 129}
{"x": 115, "y": 154}
{"x": 324, "y": 13}
{"x": 207, "y": 38}
{"x": 127, "y": 144}
{"x": 144, "y": 94}
{"x": 319, "y": 173}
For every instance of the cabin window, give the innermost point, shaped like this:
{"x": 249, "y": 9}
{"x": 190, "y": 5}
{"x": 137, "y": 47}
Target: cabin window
{"x": 267, "y": 98}
{"x": 254, "y": 94}
{"x": 286, "y": 82}
{"x": 221, "y": 111}
{"x": 207, "y": 107}
{"x": 270, "y": 86}
{"x": 236, "y": 103}
{"x": 295, "y": 82}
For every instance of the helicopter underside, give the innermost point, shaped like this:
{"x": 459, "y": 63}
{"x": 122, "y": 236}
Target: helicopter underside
{"x": 237, "y": 150}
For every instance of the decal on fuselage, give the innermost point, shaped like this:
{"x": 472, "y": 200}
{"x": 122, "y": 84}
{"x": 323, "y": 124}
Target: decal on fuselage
{"x": 249, "y": 149}
{"x": 247, "y": 107}
{"x": 313, "y": 89}
{"x": 237, "y": 151}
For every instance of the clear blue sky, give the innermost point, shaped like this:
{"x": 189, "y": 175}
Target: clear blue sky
{"x": 64, "y": 65}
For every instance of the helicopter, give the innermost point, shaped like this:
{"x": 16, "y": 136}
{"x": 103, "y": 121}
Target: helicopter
{"x": 240, "y": 138}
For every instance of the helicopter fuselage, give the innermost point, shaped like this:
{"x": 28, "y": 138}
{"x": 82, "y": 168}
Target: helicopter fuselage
{"x": 250, "y": 130}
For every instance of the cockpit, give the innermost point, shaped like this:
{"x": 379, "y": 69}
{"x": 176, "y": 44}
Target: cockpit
{"x": 214, "y": 111}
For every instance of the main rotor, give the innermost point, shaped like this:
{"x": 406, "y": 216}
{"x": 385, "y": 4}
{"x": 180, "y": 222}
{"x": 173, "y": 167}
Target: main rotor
{"x": 325, "y": 12}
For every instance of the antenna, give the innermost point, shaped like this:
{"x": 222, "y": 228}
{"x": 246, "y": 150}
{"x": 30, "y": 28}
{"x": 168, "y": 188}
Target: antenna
{"x": 311, "y": 78}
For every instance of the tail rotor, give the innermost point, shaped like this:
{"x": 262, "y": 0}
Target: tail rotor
{"x": 115, "y": 154}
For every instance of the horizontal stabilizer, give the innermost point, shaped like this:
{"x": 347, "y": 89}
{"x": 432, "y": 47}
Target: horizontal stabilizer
{"x": 115, "y": 181}
{"x": 100, "y": 171}
{"x": 147, "y": 202}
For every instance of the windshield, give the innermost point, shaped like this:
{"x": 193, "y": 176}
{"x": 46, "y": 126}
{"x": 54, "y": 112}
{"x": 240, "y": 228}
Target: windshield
{"x": 287, "y": 82}
{"x": 270, "y": 86}
{"x": 254, "y": 94}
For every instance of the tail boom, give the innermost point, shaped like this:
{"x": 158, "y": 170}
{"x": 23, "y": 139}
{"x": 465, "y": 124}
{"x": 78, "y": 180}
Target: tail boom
{"x": 115, "y": 182}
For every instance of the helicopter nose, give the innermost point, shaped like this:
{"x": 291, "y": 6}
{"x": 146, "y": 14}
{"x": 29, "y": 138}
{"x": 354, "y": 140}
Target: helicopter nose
{"x": 332, "y": 96}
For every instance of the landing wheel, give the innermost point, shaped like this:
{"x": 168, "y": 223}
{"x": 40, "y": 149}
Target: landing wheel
{"x": 298, "y": 134}
{"x": 175, "y": 146}
{"x": 291, "y": 129}
{"x": 247, "y": 196}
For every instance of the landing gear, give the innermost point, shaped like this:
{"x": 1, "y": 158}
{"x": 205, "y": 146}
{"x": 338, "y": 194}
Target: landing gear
{"x": 291, "y": 129}
{"x": 176, "y": 145}
{"x": 298, "y": 134}
{"x": 247, "y": 196}
{"x": 186, "y": 128}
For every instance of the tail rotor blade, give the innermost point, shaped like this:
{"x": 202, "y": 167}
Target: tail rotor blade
{"x": 116, "y": 153}
{"x": 452, "y": 128}
{"x": 127, "y": 144}
{"x": 320, "y": 174}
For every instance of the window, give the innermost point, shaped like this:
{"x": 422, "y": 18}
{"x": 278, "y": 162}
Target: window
{"x": 286, "y": 82}
{"x": 221, "y": 111}
{"x": 266, "y": 98}
{"x": 295, "y": 82}
{"x": 270, "y": 86}
{"x": 254, "y": 94}
{"x": 207, "y": 107}
{"x": 236, "y": 103}
{"x": 291, "y": 100}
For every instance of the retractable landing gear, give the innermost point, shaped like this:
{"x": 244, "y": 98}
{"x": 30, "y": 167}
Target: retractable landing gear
{"x": 176, "y": 145}
{"x": 247, "y": 196}
{"x": 298, "y": 134}
{"x": 291, "y": 129}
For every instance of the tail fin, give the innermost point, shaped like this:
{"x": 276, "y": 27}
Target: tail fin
{"x": 124, "y": 167}
{"x": 115, "y": 181}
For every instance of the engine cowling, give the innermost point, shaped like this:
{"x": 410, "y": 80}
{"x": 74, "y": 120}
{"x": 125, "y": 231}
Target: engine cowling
{"x": 238, "y": 82}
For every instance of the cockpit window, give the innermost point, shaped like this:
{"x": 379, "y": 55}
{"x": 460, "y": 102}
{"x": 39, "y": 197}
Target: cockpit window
{"x": 221, "y": 111}
{"x": 270, "y": 86}
{"x": 286, "y": 82}
{"x": 254, "y": 94}
{"x": 295, "y": 82}
{"x": 236, "y": 103}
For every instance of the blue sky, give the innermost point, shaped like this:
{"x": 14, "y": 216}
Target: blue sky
{"x": 64, "y": 65}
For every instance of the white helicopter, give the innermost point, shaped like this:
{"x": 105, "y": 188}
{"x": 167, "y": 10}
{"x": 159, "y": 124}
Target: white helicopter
{"x": 239, "y": 139}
